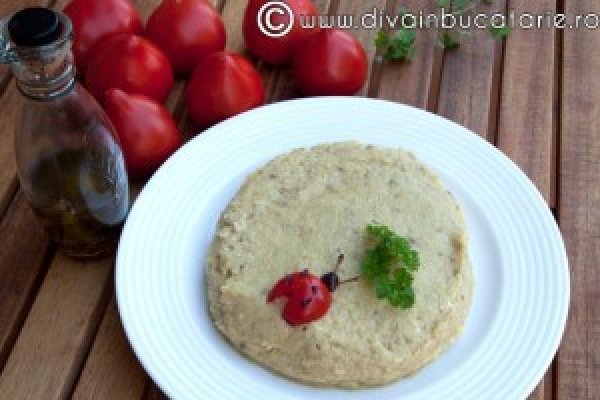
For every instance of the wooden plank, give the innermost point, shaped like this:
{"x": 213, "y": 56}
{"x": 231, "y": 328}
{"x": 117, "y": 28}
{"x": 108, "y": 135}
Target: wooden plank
{"x": 58, "y": 331}
{"x": 111, "y": 370}
{"x": 527, "y": 119}
{"x": 7, "y": 7}
{"x": 544, "y": 391}
{"x": 5, "y": 76}
{"x": 153, "y": 392}
{"x": 21, "y": 269}
{"x": 10, "y": 102}
{"x": 471, "y": 78}
{"x": 579, "y": 196}
{"x": 414, "y": 82}
{"x": 145, "y": 7}
{"x": 233, "y": 15}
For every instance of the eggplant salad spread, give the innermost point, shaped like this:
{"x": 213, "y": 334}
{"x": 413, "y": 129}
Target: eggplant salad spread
{"x": 342, "y": 265}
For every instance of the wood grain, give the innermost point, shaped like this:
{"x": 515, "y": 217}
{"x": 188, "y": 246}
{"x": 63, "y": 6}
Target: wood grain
{"x": 11, "y": 102}
{"x": 21, "y": 269}
{"x": 526, "y": 121}
{"x": 111, "y": 370}
{"x": 414, "y": 82}
{"x": 545, "y": 389}
{"x": 145, "y": 7}
{"x": 578, "y": 206}
{"x": 58, "y": 331}
{"x": 153, "y": 392}
{"x": 7, "y": 7}
{"x": 5, "y": 76}
{"x": 233, "y": 15}
{"x": 470, "y": 80}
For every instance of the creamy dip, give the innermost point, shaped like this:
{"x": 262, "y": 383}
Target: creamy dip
{"x": 302, "y": 210}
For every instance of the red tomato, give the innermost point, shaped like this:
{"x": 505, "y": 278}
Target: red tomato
{"x": 130, "y": 63}
{"x": 186, "y": 31}
{"x": 330, "y": 62}
{"x": 147, "y": 133}
{"x": 222, "y": 85}
{"x": 94, "y": 19}
{"x": 276, "y": 50}
{"x": 308, "y": 299}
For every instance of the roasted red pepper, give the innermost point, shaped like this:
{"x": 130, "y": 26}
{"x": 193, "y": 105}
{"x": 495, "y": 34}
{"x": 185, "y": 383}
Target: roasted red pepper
{"x": 308, "y": 299}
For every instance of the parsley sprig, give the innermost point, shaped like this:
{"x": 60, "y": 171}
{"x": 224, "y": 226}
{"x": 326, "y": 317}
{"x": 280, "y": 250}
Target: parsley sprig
{"x": 452, "y": 37}
{"x": 390, "y": 265}
{"x": 500, "y": 32}
{"x": 401, "y": 43}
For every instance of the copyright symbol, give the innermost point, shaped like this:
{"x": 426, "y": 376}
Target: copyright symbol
{"x": 265, "y": 18}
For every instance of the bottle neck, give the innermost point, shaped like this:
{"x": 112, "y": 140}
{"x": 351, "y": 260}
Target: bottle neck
{"x": 45, "y": 79}
{"x": 40, "y": 55}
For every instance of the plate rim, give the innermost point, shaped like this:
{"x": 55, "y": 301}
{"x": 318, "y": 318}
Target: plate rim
{"x": 214, "y": 130}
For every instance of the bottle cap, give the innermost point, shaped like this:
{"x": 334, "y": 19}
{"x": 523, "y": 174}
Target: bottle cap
{"x": 34, "y": 26}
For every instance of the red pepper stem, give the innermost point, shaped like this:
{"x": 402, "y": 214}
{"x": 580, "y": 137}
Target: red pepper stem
{"x": 339, "y": 262}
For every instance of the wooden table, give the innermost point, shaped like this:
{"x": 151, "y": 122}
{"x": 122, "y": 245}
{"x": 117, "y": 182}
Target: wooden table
{"x": 536, "y": 97}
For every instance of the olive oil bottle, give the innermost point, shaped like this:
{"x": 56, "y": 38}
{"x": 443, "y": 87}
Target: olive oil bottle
{"x": 69, "y": 162}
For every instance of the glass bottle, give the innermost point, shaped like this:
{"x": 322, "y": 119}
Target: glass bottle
{"x": 69, "y": 162}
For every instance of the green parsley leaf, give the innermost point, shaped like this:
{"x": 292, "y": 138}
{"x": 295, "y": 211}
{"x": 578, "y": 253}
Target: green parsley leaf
{"x": 390, "y": 265}
{"x": 400, "y": 45}
{"x": 448, "y": 40}
{"x": 500, "y": 32}
{"x": 382, "y": 40}
{"x": 452, "y": 38}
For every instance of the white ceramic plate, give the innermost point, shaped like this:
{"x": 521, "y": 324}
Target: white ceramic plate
{"x": 520, "y": 266}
